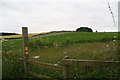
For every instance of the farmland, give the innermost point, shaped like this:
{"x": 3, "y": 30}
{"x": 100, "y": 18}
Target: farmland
{"x": 19, "y": 36}
{"x": 52, "y": 48}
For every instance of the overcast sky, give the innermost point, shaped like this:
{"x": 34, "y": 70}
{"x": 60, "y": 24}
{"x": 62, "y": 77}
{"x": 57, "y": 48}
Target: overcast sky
{"x": 55, "y": 15}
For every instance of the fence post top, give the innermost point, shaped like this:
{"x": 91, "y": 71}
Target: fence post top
{"x": 24, "y": 27}
{"x": 66, "y": 57}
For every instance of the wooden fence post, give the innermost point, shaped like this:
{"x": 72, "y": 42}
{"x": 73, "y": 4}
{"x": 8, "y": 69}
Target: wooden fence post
{"x": 25, "y": 47}
{"x": 66, "y": 70}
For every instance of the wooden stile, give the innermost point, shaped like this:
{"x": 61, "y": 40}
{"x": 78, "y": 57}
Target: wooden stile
{"x": 40, "y": 76}
{"x": 66, "y": 61}
{"x": 47, "y": 65}
{"x": 66, "y": 70}
{"x": 90, "y": 62}
{"x": 25, "y": 47}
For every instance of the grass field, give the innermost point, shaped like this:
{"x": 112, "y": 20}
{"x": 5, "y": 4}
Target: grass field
{"x": 52, "y": 48}
{"x": 71, "y": 38}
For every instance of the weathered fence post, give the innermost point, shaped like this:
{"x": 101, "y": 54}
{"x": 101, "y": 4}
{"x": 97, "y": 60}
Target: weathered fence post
{"x": 25, "y": 47}
{"x": 66, "y": 70}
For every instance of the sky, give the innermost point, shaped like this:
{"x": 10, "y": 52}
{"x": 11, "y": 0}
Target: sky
{"x": 56, "y": 15}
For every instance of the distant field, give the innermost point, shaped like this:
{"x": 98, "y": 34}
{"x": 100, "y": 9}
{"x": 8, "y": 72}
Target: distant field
{"x": 19, "y": 36}
{"x": 52, "y": 48}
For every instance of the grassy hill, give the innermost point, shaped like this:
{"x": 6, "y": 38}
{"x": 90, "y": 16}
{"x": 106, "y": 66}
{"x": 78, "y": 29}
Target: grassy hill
{"x": 60, "y": 39}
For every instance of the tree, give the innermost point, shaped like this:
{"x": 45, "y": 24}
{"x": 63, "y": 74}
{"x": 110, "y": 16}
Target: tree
{"x": 84, "y": 29}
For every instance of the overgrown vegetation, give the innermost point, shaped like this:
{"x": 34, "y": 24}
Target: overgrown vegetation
{"x": 53, "y": 48}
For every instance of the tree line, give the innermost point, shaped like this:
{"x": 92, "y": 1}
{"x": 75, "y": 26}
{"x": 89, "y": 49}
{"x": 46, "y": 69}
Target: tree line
{"x": 6, "y": 34}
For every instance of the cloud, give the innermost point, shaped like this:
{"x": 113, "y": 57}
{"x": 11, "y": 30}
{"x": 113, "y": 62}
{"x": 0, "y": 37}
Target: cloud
{"x": 58, "y": 0}
{"x": 49, "y": 15}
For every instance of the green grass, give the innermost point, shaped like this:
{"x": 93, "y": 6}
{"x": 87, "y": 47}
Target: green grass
{"x": 12, "y": 66}
{"x": 53, "y": 48}
{"x": 70, "y": 38}
{"x": 59, "y": 40}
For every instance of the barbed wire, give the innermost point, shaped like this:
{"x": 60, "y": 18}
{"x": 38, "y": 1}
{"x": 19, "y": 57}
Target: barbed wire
{"x": 111, "y": 13}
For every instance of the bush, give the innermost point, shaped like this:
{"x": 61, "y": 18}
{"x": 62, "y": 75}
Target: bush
{"x": 84, "y": 29}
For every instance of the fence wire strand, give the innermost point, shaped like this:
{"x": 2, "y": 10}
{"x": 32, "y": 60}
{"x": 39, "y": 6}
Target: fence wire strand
{"x": 111, "y": 13}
